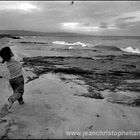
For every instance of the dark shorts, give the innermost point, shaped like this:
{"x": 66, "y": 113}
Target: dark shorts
{"x": 17, "y": 85}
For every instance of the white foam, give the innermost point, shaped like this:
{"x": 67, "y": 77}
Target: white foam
{"x": 72, "y": 44}
{"x": 70, "y": 47}
{"x": 131, "y": 49}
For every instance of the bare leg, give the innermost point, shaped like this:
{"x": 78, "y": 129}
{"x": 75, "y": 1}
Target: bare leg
{"x": 20, "y": 100}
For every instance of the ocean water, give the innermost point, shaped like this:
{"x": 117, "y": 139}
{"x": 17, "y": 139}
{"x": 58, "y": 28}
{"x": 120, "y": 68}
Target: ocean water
{"x": 74, "y": 45}
{"x": 128, "y": 44}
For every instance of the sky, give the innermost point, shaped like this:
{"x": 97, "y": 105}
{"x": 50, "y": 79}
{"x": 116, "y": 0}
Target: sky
{"x": 88, "y": 17}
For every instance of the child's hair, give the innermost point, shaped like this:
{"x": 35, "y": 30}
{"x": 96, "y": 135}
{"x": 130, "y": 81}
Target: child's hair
{"x": 6, "y": 53}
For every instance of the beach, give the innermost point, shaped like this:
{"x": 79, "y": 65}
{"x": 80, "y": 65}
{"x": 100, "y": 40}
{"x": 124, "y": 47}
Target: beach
{"x": 74, "y": 90}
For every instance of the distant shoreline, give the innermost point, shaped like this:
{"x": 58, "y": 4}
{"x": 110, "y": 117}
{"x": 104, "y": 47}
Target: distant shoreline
{"x": 59, "y": 34}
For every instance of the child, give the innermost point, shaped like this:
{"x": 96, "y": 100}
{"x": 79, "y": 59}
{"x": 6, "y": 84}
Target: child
{"x": 16, "y": 75}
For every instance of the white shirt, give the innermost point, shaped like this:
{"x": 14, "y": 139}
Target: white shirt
{"x": 15, "y": 67}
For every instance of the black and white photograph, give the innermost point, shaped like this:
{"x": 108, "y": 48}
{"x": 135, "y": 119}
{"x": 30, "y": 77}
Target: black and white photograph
{"x": 70, "y": 69}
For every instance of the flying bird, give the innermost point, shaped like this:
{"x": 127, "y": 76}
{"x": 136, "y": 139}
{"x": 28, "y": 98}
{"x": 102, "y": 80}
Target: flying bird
{"x": 72, "y": 2}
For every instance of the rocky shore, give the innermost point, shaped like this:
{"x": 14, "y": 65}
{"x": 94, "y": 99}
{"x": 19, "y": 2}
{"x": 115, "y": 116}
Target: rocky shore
{"x": 65, "y": 94}
{"x": 102, "y": 73}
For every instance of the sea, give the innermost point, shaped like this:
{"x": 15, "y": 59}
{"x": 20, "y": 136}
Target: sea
{"x": 74, "y": 45}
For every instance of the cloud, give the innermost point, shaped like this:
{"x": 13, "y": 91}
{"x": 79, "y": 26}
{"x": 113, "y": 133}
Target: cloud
{"x": 134, "y": 14}
{"x": 127, "y": 20}
{"x": 104, "y": 25}
{"x": 75, "y": 26}
{"x": 14, "y": 5}
{"x": 83, "y": 16}
{"x": 108, "y": 26}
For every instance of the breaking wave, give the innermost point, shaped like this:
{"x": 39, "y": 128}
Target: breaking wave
{"x": 71, "y": 44}
{"x": 131, "y": 50}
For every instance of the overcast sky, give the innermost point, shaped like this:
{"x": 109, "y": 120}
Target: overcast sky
{"x": 90, "y": 17}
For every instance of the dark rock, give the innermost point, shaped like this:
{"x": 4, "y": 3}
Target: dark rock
{"x": 97, "y": 115}
{"x": 90, "y": 127}
{"x": 94, "y": 95}
{"x": 106, "y": 73}
{"x": 28, "y": 42}
{"x": 137, "y": 102}
{"x": 10, "y": 36}
{"x": 3, "y": 121}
